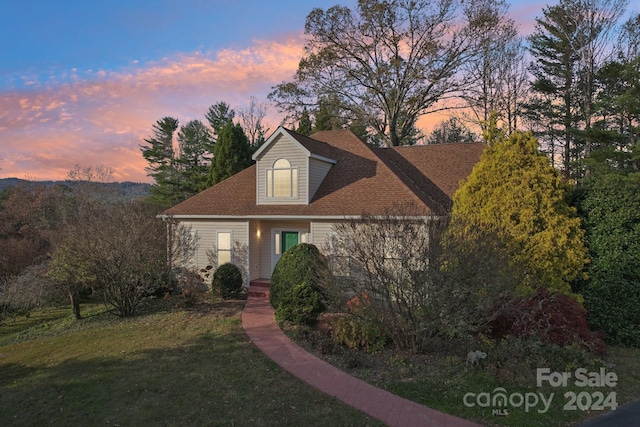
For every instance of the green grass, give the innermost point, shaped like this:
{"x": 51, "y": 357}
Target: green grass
{"x": 167, "y": 366}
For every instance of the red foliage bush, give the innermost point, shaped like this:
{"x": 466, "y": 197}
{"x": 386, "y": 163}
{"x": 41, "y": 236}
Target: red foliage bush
{"x": 355, "y": 303}
{"x": 554, "y": 318}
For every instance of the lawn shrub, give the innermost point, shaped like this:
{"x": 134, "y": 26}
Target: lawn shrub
{"x": 227, "y": 281}
{"x": 190, "y": 285}
{"x": 356, "y": 329}
{"x": 555, "y": 319}
{"x": 300, "y": 305}
{"x": 613, "y": 307}
{"x": 359, "y": 333}
{"x": 302, "y": 263}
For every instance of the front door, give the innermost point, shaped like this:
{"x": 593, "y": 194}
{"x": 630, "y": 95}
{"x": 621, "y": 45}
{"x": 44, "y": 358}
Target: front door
{"x": 282, "y": 240}
{"x": 289, "y": 239}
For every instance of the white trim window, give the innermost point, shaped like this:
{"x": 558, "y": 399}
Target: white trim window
{"x": 224, "y": 248}
{"x": 340, "y": 261}
{"x": 282, "y": 180}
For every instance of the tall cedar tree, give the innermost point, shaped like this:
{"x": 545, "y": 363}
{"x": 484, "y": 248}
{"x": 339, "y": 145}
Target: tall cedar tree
{"x": 232, "y": 153}
{"x": 514, "y": 193}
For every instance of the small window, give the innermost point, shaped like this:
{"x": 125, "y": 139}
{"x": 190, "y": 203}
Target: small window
{"x": 224, "y": 248}
{"x": 340, "y": 260}
{"x": 282, "y": 180}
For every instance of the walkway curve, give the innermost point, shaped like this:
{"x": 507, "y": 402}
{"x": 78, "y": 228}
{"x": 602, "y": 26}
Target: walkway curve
{"x": 259, "y": 323}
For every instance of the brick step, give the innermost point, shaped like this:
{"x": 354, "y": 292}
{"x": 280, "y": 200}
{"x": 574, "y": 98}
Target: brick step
{"x": 259, "y": 288}
{"x": 258, "y": 291}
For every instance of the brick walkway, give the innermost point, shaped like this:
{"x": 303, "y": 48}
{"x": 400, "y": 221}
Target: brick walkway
{"x": 259, "y": 323}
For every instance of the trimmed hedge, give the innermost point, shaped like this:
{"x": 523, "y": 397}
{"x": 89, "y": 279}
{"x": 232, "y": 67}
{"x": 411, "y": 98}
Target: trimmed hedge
{"x": 296, "y": 283}
{"x": 301, "y": 263}
{"x": 300, "y": 305}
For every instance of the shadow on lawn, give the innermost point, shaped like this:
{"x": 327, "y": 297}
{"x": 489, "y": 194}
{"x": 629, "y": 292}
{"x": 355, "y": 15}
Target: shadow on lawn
{"x": 215, "y": 378}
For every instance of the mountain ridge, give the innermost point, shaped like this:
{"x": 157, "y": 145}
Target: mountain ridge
{"x": 126, "y": 189}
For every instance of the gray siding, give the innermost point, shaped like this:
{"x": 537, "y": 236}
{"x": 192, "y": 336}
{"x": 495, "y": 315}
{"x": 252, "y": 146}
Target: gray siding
{"x": 320, "y": 232}
{"x": 256, "y": 236}
{"x": 207, "y": 232}
{"x": 267, "y": 244}
{"x": 318, "y": 170}
{"x": 283, "y": 148}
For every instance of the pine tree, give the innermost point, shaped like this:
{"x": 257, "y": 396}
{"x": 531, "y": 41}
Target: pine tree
{"x": 196, "y": 147}
{"x": 159, "y": 152}
{"x": 219, "y": 115}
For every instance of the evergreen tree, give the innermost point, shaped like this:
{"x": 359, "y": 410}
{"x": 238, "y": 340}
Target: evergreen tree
{"x": 232, "y": 153}
{"x": 196, "y": 146}
{"x": 159, "y": 152}
{"x": 609, "y": 205}
{"x": 219, "y": 115}
{"x": 515, "y": 194}
{"x": 449, "y": 131}
{"x": 304, "y": 124}
{"x": 569, "y": 45}
{"x": 554, "y": 104}
{"x": 616, "y": 133}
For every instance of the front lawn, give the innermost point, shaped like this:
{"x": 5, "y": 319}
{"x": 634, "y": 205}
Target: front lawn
{"x": 168, "y": 366}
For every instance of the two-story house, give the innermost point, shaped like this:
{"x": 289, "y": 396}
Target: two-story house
{"x": 301, "y": 186}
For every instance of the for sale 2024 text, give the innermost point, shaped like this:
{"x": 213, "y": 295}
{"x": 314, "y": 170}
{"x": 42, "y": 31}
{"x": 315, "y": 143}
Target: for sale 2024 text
{"x": 581, "y": 377}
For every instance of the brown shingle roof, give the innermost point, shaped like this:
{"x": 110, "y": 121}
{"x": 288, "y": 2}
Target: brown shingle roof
{"x": 364, "y": 179}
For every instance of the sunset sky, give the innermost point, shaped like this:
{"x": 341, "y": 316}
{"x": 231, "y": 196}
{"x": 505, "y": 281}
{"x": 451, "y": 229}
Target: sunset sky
{"x": 82, "y": 82}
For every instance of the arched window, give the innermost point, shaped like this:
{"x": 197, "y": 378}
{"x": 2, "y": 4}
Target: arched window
{"x": 282, "y": 180}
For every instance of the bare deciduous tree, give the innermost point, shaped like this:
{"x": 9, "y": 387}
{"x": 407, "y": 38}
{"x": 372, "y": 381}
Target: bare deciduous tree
{"x": 253, "y": 121}
{"x": 388, "y": 63}
{"x": 416, "y": 279}
{"x": 120, "y": 248}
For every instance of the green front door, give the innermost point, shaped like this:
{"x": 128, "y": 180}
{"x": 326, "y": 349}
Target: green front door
{"x": 289, "y": 239}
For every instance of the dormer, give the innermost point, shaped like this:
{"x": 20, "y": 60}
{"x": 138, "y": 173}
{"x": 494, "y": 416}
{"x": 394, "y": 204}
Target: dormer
{"x": 290, "y": 168}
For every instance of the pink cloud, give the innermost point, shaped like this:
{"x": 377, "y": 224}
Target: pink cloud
{"x": 101, "y": 117}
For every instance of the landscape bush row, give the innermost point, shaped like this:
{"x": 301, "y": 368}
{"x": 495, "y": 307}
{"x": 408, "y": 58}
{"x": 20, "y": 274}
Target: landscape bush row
{"x": 526, "y": 265}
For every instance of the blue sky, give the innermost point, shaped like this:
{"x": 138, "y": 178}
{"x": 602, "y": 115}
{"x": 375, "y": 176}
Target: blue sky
{"x": 81, "y": 82}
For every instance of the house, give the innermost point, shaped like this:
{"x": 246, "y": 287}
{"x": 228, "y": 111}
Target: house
{"x": 300, "y": 186}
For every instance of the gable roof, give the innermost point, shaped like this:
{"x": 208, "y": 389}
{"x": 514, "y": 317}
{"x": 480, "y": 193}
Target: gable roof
{"x": 363, "y": 179}
{"x": 311, "y": 147}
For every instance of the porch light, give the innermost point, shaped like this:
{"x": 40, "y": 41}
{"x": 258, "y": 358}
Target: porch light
{"x": 258, "y": 233}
